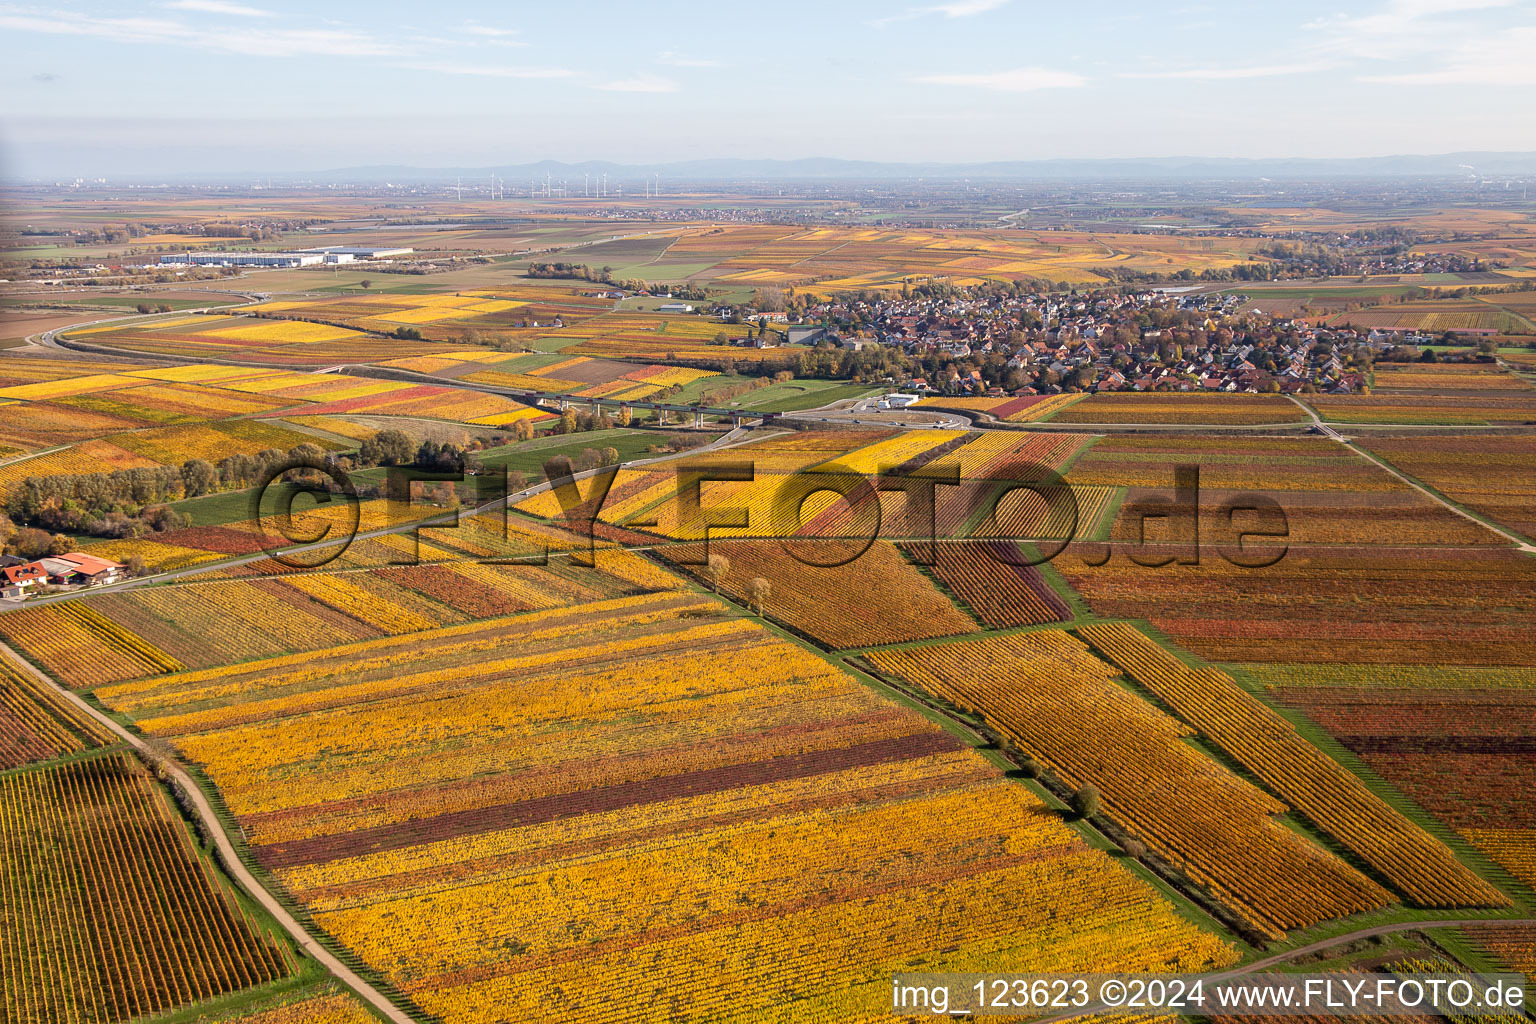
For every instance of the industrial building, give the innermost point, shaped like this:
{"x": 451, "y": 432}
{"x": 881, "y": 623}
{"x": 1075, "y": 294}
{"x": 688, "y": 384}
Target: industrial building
{"x": 243, "y": 259}
{"x": 362, "y": 252}
{"x": 301, "y": 258}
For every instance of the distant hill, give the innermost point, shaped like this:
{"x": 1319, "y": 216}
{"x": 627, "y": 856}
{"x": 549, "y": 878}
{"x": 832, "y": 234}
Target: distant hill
{"x": 1200, "y": 167}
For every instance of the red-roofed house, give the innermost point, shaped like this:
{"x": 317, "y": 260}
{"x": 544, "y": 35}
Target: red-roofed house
{"x": 77, "y": 568}
{"x": 17, "y": 578}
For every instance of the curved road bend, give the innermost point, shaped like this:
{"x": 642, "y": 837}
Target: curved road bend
{"x": 1315, "y": 947}
{"x": 232, "y": 862}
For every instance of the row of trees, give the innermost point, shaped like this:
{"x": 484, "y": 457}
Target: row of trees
{"x": 133, "y": 502}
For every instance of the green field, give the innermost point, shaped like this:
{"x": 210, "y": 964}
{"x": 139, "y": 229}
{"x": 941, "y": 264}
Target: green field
{"x": 626, "y": 257}
{"x": 786, "y": 397}
{"x": 227, "y": 507}
{"x": 127, "y": 303}
{"x": 529, "y": 457}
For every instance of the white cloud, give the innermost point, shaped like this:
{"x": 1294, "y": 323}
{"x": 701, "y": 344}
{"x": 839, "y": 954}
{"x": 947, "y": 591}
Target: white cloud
{"x": 245, "y": 40}
{"x": 1434, "y": 42}
{"x": 494, "y": 36}
{"x": 1403, "y": 29}
{"x": 217, "y": 7}
{"x": 951, "y": 9}
{"x": 967, "y": 8}
{"x": 488, "y": 71}
{"x": 1503, "y": 59}
{"x": 678, "y": 60}
{"x": 1016, "y": 80}
{"x": 1218, "y": 74}
{"x": 640, "y": 83}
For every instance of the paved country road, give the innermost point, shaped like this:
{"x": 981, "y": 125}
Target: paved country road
{"x": 1320, "y": 946}
{"x": 232, "y": 862}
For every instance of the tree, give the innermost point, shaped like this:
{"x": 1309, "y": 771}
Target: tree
{"x": 609, "y": 456}
{"x": 769, "y": 300}
{"x": 198, "y": 477}
{"x": 365, "y": 283}
{"x": 7, "y": 530}
{"x": 567, "y": 424}
{"x": 387, "y": 448}
{"x": 758, "y": 592}
{"x": 30, "y": 542}
{"x": 135, "y": 565}
{"x": 59, "y": 544}
{"x": 718, "y": 568}
{"x": 522, "y": 430}
{"x": 1086, "y": 802}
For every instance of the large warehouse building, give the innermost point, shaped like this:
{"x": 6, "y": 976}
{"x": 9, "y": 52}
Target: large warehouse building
{"x": 301, "y": 258}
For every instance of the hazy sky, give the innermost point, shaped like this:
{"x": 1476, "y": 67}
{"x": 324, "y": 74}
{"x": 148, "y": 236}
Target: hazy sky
{"x": 269, "y": 86}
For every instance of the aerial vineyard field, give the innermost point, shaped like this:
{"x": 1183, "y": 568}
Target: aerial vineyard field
{"x": 487, "y": 811}
{"x": 110, "y": 914}
{"x": 1512, "y": 945}
{"x": 826, "y": 260}
{"x": 1445, "y": 377}
{"x": 1492, "y": 476}
{"x": 1328, "y": 494}
{"x": 160, "y": 446}
{"x": 194, "y": 624}
{"x": 1413, "y": 862}
{"x": 36, "y": 725}
{"x": 770, "y": 705}
{"x": 1050, "y": 695}
{"x": 1363, "y": 605}
{"x": 990, "y": 581}
{"x": 519, "y": 308}
{"x": 658, "y": 338}
{"x": 1470, "y": 408}
{"x": 1129, "y": 407}
{"x": 877, "y": 598}
{"x": 1465, "y": 754}
{"x": 330, "y": 1005}
{"x": 79, "y": 645}
{"x": 1029, "y": 409}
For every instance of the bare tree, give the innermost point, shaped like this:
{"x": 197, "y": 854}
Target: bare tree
{"x": 758, "y": 592}
{"x": 718, "y": 568}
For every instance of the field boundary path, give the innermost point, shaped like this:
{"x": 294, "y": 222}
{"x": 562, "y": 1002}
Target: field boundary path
{"x": 1315, "y": 947}
{"x": 1516, "y": 539}
{"x": 232, "y": 862}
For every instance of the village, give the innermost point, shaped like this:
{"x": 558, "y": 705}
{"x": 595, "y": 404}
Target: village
{"x": 998, "y": 342}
